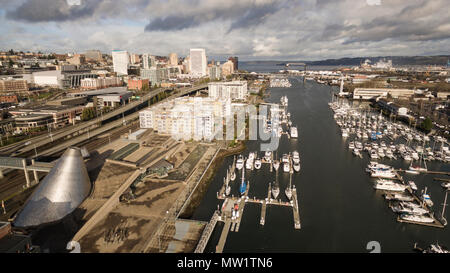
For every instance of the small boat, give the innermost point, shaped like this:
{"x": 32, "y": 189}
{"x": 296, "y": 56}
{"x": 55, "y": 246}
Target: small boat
{"x": 288, "y": 190}
{"x": 412, "y": 185}
{"x": 268, "y": 156}
{"x": 356, "y": 152}
{"x": 382, "y": 174}
{"x": 227, "y": 189}
{"x": 276, "y": 164}
{"x": 446, "y": 185}
{"x": 296, "y": 157}
{"x": 388, "y": 185}
{"x": 373, "y": 154}
{"x": 417, "y": 218}
{"x": 296, "y": 166}
{"x": 258, "y": 164}
{"x": 240, "y": 162}
{"x": 294, "y": 132}
{"x": 399, "y": 197}
{"x": 249, "y": 164}
{"x": 286, "y": 167}
{"x": 243, "y": 186}
{"x": 408, "y": 208}
{"x": 275, "y": 191}
{"x": 427, "y": 199}
{"x": 233, "y": 176}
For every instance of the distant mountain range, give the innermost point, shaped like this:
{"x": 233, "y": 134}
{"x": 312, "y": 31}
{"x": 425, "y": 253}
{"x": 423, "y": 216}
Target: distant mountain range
{"x": 396, "y": 60}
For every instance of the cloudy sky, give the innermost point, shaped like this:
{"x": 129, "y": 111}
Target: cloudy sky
{"x": 250, "y": 29}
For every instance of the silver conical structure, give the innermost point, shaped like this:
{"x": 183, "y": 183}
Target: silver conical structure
{"x": 59, "y": 194}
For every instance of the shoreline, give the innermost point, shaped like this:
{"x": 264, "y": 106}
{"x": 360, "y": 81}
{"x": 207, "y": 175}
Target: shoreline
{"x": 209, "y": 175}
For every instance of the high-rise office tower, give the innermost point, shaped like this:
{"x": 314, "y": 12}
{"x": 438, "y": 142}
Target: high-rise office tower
{"x": 120, "y": 62}
{"x": 197, "y": 62}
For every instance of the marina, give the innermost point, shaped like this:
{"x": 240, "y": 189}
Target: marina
{"x": 332, "y": 188}
{"x": 413, "y": 209}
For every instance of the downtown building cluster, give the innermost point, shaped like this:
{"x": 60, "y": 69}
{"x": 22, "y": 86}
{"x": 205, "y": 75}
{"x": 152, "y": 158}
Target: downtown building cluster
{"x": 160, "y": 71}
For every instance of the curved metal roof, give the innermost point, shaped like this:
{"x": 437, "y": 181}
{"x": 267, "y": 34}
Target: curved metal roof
{"x": 59, "y": 194}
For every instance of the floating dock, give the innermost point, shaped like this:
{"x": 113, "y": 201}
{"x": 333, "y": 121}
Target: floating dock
{"x": 295, "y": 210}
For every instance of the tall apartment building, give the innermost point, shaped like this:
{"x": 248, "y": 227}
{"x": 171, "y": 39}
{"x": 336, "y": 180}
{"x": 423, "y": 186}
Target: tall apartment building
{"x": 236, "y": 90}
{"x": 135, "y": 59}
{"x": 197, "y": 62}
{"x": 235, "y": 61}
{"x": 121, "y": 61}
{"x": 227, "y": 68}
{"x": 215, "y": 72}
{"x": 148, "y": 61}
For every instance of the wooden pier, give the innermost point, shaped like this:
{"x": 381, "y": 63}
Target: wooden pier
{"x": 295, "y": 209}
{"x": 223, "y": 236}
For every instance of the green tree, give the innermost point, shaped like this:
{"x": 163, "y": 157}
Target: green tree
{"x": 427, "y": 125}
{"x": 88, "y": 114}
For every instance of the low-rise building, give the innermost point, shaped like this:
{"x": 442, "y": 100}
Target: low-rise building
{"x": 138, "y": 84}
{"x": 113, "y": 100}
{"x": 56, "y": 116}
{"x": 372, "y": 93}
{"x": 392, "y": 107}
{"x": 11, "y": 85}
{"x": 9, "y": 98}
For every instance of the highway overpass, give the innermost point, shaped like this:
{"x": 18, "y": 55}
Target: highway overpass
{"x": 28, "y": 145}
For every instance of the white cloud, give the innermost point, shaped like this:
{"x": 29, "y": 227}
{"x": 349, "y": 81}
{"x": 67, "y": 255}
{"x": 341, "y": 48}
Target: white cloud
{"x": 251, "y": 29}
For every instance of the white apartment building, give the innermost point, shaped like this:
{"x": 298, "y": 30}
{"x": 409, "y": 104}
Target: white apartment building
{"x": 187, "y": 118}
{"x": 236, "y": 90}
{"x": 198, "y": 62}
{"x": 148, "y": 61}
{"x": 121, "y": 60}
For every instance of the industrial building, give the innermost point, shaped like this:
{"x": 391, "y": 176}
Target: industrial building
{"x": 372, "y": 93}
{"x": 56, "y": 116}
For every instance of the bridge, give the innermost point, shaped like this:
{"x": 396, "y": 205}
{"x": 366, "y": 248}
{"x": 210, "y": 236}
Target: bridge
{"x": 22, "y": 164}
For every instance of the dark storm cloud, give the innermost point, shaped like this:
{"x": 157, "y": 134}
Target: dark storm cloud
{"x": 243, "y": 14}
{"x": 52, "y": 10}
{"x": 420, "y": 21}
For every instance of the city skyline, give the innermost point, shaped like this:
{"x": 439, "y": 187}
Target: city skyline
{"x": 252, "y": 30}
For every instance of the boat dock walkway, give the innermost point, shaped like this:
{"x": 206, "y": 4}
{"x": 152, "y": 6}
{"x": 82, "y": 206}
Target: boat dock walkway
{"x": 295, "y": 209}
{"x": 233, "y": 223}
{"x": 262, "y": 220}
